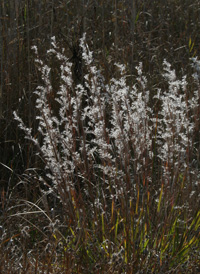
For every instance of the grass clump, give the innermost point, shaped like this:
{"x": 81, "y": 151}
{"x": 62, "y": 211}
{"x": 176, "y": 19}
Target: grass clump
{"x": 119, "y": 192}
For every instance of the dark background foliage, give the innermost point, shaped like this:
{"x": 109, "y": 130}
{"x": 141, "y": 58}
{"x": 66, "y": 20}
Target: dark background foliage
{"x": 123, "y": 31}
{"x": 117, "y": 31}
